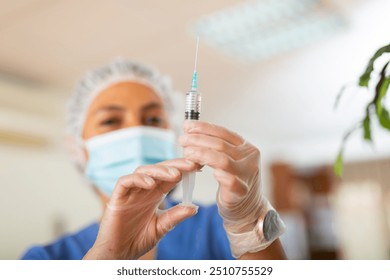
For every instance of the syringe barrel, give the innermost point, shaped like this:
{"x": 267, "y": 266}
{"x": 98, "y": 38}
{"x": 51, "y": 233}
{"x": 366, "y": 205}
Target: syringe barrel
{"x": 193, "y": 100}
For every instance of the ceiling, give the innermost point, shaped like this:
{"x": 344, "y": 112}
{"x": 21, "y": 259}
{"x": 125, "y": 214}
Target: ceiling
{"x": 280, "y": 103}
{"x": 56, "y": 41}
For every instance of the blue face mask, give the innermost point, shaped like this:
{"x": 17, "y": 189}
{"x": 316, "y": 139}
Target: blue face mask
{"x": 120, "y": 152}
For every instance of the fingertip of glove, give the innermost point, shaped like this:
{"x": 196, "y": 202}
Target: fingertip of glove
{"x": 190, "y": 207}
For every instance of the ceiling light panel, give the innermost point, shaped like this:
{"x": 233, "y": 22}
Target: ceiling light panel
{"x": 260, "y": 29}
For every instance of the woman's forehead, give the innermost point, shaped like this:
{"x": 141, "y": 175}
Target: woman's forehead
{"x": 126, "y": 94}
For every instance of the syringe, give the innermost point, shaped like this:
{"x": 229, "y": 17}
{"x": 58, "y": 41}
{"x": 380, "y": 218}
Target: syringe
{"x": 192, "y": 112}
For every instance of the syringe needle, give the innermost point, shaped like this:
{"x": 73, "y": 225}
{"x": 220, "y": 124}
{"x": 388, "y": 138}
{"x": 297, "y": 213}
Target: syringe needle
{"x": 196, "y": 53}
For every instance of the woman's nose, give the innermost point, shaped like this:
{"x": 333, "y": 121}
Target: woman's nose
{"x": 132, "y": 119}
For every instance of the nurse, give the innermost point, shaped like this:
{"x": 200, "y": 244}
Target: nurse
{"x": 122, "y": 120}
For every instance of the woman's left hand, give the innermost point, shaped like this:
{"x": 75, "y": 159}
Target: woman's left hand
{"x": 236, "y": 168}
{"x": 235, "y": 161}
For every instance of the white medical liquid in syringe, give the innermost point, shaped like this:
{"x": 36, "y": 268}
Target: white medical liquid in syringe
{"x": 192, "y": 112}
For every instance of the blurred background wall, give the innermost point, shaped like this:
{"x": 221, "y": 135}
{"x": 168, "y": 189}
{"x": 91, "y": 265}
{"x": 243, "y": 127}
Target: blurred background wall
{"x": 276, "y": 91}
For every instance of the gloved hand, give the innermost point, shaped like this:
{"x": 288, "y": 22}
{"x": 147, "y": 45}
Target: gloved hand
{"x": 132, "y": 223}
{"x": 236, "y": 168}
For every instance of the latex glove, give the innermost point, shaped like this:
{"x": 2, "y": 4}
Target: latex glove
{"x": 239, "y": 198}
{"x": 132, "y": 224}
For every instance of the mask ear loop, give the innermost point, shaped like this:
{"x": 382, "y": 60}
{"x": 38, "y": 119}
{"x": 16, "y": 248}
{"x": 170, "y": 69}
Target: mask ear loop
{"x": 82, "y": 152}
{"x": 75, "y": 145}
{"x": 78, "y": 156}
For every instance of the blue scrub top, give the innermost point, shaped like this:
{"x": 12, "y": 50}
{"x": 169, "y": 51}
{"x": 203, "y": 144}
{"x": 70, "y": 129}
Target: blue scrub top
{"x": 201, "y": 237}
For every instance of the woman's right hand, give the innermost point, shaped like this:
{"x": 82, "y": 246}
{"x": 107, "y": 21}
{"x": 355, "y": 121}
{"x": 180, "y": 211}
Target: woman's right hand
{"x": 132, "y": 224}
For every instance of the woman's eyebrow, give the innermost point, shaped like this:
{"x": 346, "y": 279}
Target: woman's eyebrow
{"x": 110, "y": 108}
{"x": 152, "y": 105}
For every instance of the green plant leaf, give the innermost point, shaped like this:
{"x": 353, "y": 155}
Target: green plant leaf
{"x": 384, "y": 118}
{"x": 365, "y": 77}
{"x": 338, "y": 97}
{"x": 382, "y": 89}
{"x": 338, "y": 165}
{"x": 367, "y": 128}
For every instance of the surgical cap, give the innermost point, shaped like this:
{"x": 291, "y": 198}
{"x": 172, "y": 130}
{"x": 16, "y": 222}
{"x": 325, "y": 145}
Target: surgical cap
{"x": 119, "y": 70}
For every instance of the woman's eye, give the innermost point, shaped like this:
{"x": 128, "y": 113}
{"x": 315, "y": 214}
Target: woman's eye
{"x": 110, "y": 122}
{"x": 154, "y": 121}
